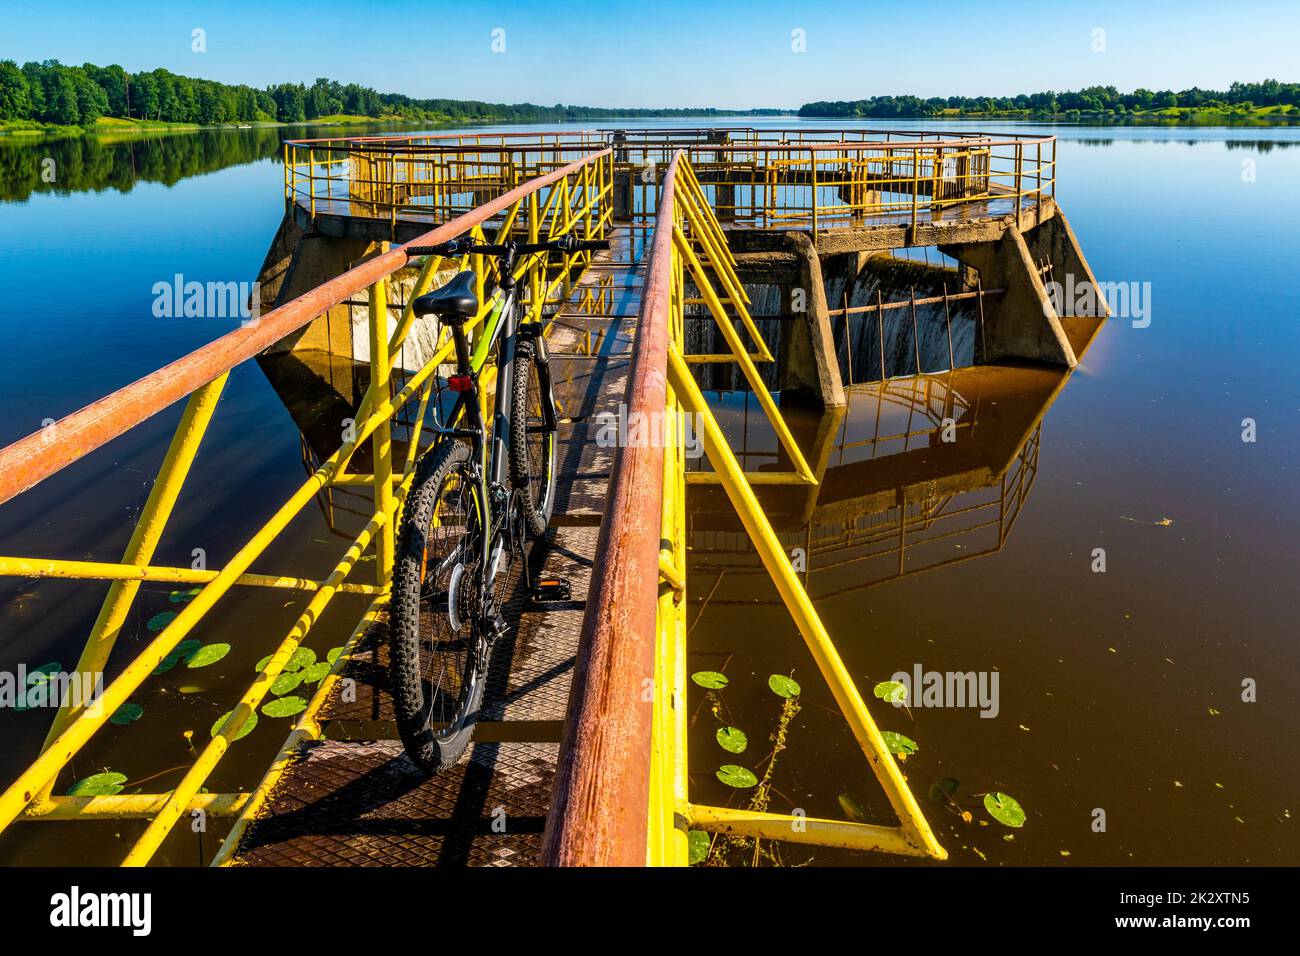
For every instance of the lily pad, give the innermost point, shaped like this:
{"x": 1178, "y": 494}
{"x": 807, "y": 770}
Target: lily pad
{"x": 286, "y": 682}
{"x": 35, "y": 679}
{"x": 898, "y": 744}
{"x": 710, "y": 679}
{"x": 184, "y": 597}
{"x": 261, "y": 665}
{"x": 128, "y": 713}
{"x": 783, "y": 686}
{"x": 698, "y": 843}
{"x": 244, "y": 730}
{"x": 302, "y": 657}
{"x": 732, "y": 739}
{"x": 285, "y": 707}
{"x": 1004, "y": 808}
{"x": 891, "y": 691}
{"x": 207, "y": 655}
{"x": 98, "y": 785}
{"x": 160, "y": 620}
{"x": 316, "y": 673}
{"x": 738, "y": 777}
{"x": 333, "y": 655}
{"x": 180, "y": 652}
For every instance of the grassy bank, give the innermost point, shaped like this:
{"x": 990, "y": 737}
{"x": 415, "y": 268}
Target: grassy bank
{"x": 108, "y": 125}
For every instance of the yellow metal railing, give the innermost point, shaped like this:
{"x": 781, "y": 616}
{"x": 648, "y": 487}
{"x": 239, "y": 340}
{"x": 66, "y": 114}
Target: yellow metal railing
{"x": 694, "y": 227}
{"x": 849, "y": 178}
{"x": 812, "y": 178}
{"x": 419, "y": 179}
{"x": 573, "y": 198}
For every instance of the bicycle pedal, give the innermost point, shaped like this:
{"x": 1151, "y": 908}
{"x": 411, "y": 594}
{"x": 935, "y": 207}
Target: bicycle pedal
{"x": 550, "y": 589}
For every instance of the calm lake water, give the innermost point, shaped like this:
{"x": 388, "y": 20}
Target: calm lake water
{"x": 1118, "y": 692}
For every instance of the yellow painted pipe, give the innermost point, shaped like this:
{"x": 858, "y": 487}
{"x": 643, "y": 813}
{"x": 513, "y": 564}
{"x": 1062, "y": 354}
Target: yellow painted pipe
{"x": 801, "y": 609}
{"x": 810, "y": 830}
{"x": 134, "y": 806}
{"x": 144, "y": 540}
{"x": 155, "y": 574}
{"x": 161, "y": 825}
{"x": 729, "y": 333}
{"x": 305, "y": 728}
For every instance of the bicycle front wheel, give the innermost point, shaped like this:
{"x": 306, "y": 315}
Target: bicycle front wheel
{"x": 532, "y": 445}
{"x": 438, "y": 652}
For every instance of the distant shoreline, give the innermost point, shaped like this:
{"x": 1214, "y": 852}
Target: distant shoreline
{"x": 112, "y": 126}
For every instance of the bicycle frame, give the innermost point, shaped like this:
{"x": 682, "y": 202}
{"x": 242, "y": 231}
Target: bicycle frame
{"x": 502, "y": 329}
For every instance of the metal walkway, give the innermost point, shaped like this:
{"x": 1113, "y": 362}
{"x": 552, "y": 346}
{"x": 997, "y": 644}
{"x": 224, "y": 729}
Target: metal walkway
{"x": 353, "y": 798}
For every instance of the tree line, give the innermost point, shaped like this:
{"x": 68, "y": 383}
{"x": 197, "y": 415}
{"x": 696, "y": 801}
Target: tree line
{"x": 50, "y": 92}
{"x": 1093, "y": 99}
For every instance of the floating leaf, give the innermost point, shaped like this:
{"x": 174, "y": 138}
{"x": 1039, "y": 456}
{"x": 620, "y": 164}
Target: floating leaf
{"x": 160, "y": 620}
{"x": 316, "y": 673}
{"x": 710, "y": 679}
{"x": 783, "y": 686}
{"x": 98, "y": 785}
{"x": 285, "y": 707}
{"x": 126, "y": 714}
{"x": 286, "y": 682}
{"x": 738, "y": 777}
{"x": 941, "y": 791}
{"x": 261, "y": 665}
{"x": 1004, "y": 808}
{"x": 302, "y": 657}
{"x": 891, "y": 691}
{"x": 38, "y": 678}
{"x": 180, "y": 652}
{"x": 732, "y": 739}
{"x": 852, "y": 809}
{"x": 245, "y": 729}
{"x": 333, "y": 655}
{"x": 698, "y": 843}
{"x": 898, "y": 744}
{"x": 207, "y": 655}
{"x": 184, "y": 597}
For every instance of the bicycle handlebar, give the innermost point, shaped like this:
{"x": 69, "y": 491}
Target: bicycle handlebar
{"x": 460, "y": 247}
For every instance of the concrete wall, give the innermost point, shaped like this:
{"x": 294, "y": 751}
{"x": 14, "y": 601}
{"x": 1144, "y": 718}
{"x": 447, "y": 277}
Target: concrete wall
{"x": 299, "y": 261}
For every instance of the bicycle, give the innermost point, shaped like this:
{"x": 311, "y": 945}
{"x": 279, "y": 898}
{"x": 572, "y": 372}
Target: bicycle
{"x": 472, "y": 502}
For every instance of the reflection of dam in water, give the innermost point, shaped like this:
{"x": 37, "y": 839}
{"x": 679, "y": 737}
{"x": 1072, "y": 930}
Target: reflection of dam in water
{"x": 917, "y": 474}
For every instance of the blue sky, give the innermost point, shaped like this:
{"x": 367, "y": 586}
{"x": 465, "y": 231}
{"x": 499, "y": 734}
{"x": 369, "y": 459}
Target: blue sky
{"x": 672, "y": 53}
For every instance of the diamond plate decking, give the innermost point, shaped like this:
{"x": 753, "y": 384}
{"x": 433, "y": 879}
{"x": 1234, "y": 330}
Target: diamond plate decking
{"x": 353, "y": 798}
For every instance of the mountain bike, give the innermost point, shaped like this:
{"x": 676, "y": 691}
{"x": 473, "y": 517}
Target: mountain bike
{"x": 474, "y": 502}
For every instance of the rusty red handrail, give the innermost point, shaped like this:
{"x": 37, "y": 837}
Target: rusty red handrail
{"x": 31, "y": 460}
{"x": 601, "y": 799}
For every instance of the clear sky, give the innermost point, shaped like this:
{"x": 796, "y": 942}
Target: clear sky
{"x": 673, "y": 53}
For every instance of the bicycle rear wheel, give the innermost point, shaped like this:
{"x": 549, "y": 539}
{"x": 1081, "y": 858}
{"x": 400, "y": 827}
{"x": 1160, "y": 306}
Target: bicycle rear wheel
{"x": 438, "y": 653}
{"x": 532, "y": 446}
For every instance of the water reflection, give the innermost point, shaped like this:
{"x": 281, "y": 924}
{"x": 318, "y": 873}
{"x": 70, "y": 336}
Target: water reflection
{"x": 916, "y": 474}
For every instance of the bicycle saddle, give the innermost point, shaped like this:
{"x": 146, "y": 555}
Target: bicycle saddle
{"x": 455, "y": 299}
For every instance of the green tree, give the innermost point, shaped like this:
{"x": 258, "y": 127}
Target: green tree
{"x": 15, "y": 94}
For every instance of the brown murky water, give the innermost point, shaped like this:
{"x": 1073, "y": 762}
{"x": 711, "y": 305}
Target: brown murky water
{"x": 1118, "y": 695}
